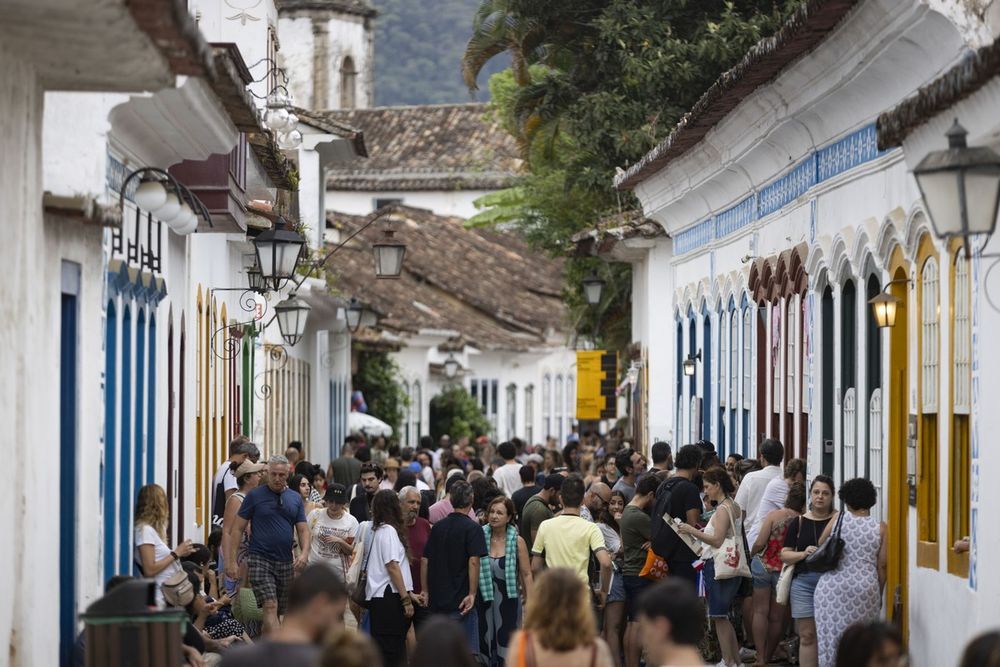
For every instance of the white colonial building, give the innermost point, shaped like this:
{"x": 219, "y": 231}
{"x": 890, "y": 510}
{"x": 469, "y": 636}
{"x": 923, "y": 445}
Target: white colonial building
{"x": 785, "y": 203}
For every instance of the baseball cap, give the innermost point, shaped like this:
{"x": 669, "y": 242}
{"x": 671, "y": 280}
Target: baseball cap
{"x": 247, "y": 467}
{"x": 554, "y": 481}
{"x": 336, "y": 493}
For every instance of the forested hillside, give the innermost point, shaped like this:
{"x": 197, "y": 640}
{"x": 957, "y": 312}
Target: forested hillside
{"x": 418, "y": 49}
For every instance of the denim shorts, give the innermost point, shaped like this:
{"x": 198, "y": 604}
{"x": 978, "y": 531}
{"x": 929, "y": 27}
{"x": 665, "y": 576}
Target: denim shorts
{"x": 801, "y": 594}
{"x": 634, "y": 587}
{"x": 720, "y": 592}
{"x": 617, "y": 592}
{"x": 762, "y": 577}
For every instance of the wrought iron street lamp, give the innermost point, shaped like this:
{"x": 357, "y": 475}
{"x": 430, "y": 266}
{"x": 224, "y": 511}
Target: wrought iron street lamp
{"x": 689, "y": 363}
{"x": 292, "y": 314}
{"x": 960, "y": 187}
{"x": 162, "y": 195}
{"x": 451, "y": 366}
{"x": 389, "y": 253}
{"x": 278, "y": 252}
{"x": 593, "y": 288}
{"x": 256, "y": 280}
{"x": 353, "y": 313}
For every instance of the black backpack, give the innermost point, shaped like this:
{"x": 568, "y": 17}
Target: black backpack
{"x": 663, "y": 540}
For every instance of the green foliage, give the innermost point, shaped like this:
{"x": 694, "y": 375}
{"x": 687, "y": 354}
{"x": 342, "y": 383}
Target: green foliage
{"x": 609, "y": 79}
{"x": 418, "y": 49}
{"x": 456, "y": 413}
{"x": 378, "y": 381}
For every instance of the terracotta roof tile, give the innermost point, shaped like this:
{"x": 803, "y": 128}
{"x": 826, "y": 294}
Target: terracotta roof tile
{"x": 485, "y": 285}
{"x": 975, "y": 71}
{"x": 359, "y": 7}
{"x": 430, "y": 147}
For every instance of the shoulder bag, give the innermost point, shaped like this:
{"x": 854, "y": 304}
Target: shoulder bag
{"x": 357, "y": 575}
{"x": 731, "y": 557}
{"x": 827, "y": 556}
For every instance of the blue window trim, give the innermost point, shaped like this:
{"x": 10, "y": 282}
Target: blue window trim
{"x": 125, "y": 483}
{"x": 706, "y": 373}
{"x": 141, "y": 387}
{"x": 837, "y": 157}
{"x": 110, "y": 472}
{"x": 151, "y": 404}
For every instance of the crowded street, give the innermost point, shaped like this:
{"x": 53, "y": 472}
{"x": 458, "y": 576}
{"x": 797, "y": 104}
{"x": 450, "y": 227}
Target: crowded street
{"x": 500, "y": 333}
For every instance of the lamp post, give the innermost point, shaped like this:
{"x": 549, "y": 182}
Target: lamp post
{"x": 278, "y": 252}
{"x": 451, "y": 366}
{"x": 960, "y": 187}
{"x": 389, "y": 253}
{"x": 593, "y": 288}
{"x": 353, "y": 313}
{"x": 292, "y": 314}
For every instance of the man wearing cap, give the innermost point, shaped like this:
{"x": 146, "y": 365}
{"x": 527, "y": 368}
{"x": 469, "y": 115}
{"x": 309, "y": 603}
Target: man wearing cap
{"x": 536, "y": 510}
{"x": 333, "y": 531}
{"x": 391, "y": 474}
{"x": 275, "y": 511}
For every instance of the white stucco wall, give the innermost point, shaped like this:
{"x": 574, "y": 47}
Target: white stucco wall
{"x": 345, "y": 35}
{"x": 442, "y": 202}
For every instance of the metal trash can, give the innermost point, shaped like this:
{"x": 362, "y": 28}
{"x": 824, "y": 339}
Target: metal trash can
{"x": 126, "y": 629}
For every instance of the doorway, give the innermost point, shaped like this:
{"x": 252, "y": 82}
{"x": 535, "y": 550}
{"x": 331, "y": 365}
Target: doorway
{"x": 898, "y": 406}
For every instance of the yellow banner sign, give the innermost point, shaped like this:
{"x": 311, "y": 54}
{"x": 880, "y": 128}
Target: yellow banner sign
{"x": 596, "y": 378}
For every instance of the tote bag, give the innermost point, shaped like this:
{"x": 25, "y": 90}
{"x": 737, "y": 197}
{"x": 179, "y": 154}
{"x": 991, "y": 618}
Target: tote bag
{"x": 784, "y": 588}
{"x": 731, "y": 558}
{"x": 357, "y": 574}
{"x": 655, "y": 568}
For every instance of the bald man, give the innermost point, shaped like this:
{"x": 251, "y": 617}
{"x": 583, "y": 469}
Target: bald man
{"x": 595, "y": 500}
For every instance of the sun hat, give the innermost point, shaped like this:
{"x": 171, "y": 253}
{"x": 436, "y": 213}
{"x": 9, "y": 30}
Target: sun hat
{"x": 248, "y": 467}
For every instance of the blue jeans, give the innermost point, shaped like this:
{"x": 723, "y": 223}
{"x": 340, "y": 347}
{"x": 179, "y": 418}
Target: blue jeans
{"x": 470, "y": 626}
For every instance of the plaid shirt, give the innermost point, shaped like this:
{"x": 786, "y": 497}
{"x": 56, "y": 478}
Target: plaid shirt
{"x": 509, "y": 570}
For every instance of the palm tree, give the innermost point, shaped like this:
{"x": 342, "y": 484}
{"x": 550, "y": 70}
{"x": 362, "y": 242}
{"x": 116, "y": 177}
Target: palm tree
{"x": 497, "y": 28}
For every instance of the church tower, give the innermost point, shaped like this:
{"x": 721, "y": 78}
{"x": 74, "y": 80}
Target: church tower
{"x": 327, "y": 49}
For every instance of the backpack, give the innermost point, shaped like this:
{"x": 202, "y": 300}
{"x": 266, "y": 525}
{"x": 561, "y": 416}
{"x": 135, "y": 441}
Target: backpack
{"x": 663, "y": 541}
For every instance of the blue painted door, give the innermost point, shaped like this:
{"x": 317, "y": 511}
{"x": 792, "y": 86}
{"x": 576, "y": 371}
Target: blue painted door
{"x": 110, "y": 472}
{"x": 68, "y": 360}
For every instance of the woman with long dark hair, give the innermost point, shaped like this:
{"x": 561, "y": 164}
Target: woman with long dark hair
{"x": 389, "y": 582}
{"x": 614, "y": 609}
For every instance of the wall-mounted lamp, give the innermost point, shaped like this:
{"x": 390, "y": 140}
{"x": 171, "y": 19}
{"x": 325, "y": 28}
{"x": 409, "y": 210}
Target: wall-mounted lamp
{"x": 961, "y": 187}
{"x": 884, "y": 305}
{"x": 689, "y": 363}
{"x": 451, "y": 366}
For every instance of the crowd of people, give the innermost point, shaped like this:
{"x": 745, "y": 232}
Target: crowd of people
{"x": 468, "y": 553}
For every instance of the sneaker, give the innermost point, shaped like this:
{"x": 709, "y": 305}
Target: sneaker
{"x": 747, "y": 654}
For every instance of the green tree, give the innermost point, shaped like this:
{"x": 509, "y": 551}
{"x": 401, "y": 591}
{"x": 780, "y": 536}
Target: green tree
{"x": 609, "y": 79}
{"x": 456, "y": 413}
{"x": 378, "y": 381}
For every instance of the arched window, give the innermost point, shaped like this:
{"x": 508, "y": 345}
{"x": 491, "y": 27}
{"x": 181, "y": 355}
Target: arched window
{"x": 734, "y": 364}
{"x": 960, "y": 459}
{"x": 928, "y": 475}
{"x": 776, "y": 322}
{"x": 529, "y": 414}
{"x": 791, "y": 357}
{"x": 559, "y": 408}
{"x": 125, "y": 437}
{"x": 547, "y": 404}
{"x": 850, "y": 461}
{"x": 570, "y": 401}
{"x": 348, "y": 83}
{"x": 408, "y": 415}
{"x": 511, "y": 411}
{"x": 875, "y": 448}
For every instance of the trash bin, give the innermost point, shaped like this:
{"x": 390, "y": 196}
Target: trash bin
{"x": 126, "y": 629}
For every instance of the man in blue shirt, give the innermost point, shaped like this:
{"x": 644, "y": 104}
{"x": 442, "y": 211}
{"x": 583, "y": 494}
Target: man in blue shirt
{"x": 276, "y": 511}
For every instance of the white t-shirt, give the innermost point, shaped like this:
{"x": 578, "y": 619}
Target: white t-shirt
{"x": 386, "y": 548}
{"x": 225, "y": 476}
{"x": 508, "y": 478}
{"x": 320, "y": 524}
{"x": 775, "y": 494}
{"x": 752, "y": 491}
{"x": 428, "y": 475}
{"x": 144, "y": 534}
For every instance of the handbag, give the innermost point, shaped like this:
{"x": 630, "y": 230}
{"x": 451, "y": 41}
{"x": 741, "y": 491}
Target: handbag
{"x": 731, "y": 558}
{"x": 784, "y": 587}
{"x": 827, "y": 556}
{"x": 655, "y": 568}
{"x": 357, "y": 577}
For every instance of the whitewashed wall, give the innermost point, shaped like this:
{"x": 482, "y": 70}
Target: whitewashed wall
{"x": 442, "y": 202}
